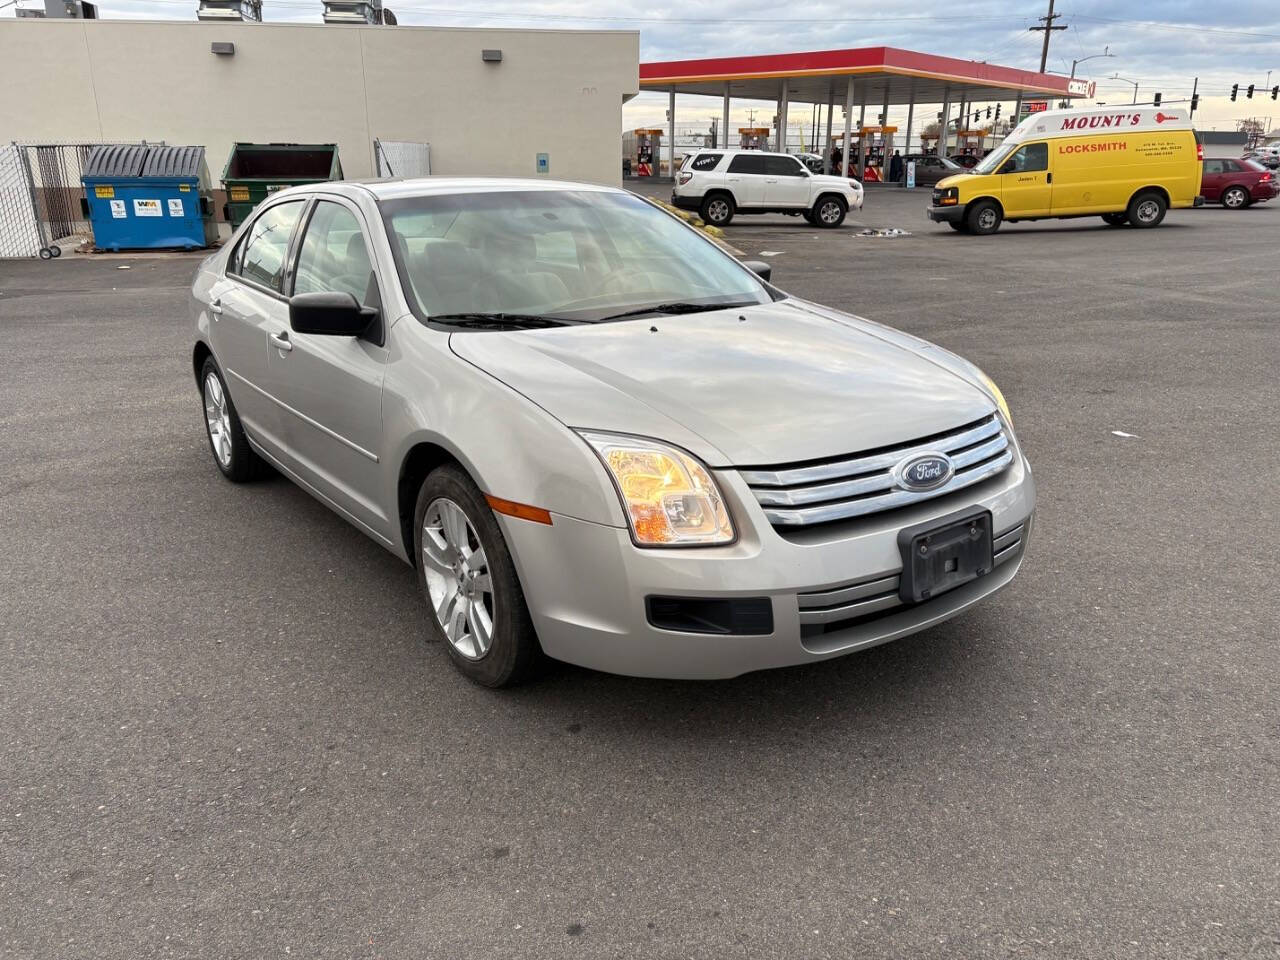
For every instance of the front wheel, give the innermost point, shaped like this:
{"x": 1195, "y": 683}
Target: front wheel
{"x": 1235, "y": 198}
{"x": 1115, "y": 219}
{"x": 983, "y": 218}
{"x": 469, "y": 580}
{"x": 717, "y": 210}
{"x": 1147, "y": 209}
{"x": 829, "y": 212}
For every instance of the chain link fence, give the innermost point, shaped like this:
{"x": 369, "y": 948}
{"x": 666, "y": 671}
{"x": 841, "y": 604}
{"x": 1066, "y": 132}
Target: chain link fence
{"x": 402, "y": 158}
{"x": 41, "y": 197}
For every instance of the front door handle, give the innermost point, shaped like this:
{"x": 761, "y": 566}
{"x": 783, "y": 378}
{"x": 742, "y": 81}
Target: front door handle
{"x": 216, "y": 308}
{"x": 1048, "y": 178}
{"x": 281, "y": 341}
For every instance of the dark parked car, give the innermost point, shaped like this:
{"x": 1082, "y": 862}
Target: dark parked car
{"x": 931, "y": 169}
{"x": 1237, "y": 183}
{"x": 1269, "y": 160}
{"x": 966, "y": 160}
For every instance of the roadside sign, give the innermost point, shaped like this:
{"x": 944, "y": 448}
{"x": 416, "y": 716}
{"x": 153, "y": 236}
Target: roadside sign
{"x": 544, "y": 163}
{"x": 1032, "y": 106}
{"x": 911, "y": 174}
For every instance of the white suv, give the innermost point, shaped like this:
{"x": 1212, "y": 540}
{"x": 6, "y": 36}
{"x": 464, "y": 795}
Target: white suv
{"x": 720, "y": 183}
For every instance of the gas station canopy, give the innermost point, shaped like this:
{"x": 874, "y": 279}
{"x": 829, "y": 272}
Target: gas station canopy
{"x": 880, "y": 74}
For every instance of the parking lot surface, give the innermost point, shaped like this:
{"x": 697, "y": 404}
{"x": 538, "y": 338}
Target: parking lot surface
{"x": 224, "y": 735}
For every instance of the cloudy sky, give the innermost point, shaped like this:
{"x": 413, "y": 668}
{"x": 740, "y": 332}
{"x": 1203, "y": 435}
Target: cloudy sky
{"x": 1161, "y": 44}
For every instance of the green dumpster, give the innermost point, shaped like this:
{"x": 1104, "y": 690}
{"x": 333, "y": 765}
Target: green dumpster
{"x": 255, "y": 170}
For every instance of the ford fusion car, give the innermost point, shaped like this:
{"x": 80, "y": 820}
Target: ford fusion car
{"x": 596, "y": 435}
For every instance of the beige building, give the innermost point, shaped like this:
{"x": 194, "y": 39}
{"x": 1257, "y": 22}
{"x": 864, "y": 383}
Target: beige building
{"x": 553, "y": 92}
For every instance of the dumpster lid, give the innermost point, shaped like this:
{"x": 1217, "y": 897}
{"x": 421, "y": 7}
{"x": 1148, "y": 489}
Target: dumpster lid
{"x": 115, "y": 160}
{"x": 173, "y": 162}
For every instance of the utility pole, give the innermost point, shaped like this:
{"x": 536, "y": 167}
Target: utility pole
{"x": 1047, "y": 29}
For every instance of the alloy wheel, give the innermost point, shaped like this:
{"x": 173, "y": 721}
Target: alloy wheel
{"x": 1233, "y": 198}
{"x": 829, "y": 212}
{"x": 458, "y": 581}
{"x": 217, "y": 417}
{"x": 717, "y": 210}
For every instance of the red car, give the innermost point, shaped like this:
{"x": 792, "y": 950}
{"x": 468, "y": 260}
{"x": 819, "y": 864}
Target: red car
{"x": 1237, "y": 183}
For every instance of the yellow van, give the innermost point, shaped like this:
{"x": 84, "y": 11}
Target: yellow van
{"x": 1129, "y": 164}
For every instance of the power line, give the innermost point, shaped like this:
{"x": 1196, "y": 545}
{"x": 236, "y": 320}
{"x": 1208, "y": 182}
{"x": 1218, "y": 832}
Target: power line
{"x": 1155, "y": 24}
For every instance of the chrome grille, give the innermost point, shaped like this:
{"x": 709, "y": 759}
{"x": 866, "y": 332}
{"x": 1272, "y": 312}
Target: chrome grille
{"x": 837, "y": 490}
{"x": 821, "y": 609}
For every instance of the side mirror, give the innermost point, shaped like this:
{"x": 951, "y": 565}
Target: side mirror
{"x": 330, "y": 314}
{"x": 761, "y": 269}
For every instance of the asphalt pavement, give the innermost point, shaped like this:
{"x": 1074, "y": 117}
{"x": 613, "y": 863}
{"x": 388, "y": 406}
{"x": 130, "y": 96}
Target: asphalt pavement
{"x": 223, "y": 735}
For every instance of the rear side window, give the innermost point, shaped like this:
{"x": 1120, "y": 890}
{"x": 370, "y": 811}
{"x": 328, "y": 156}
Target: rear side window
{"x": 1213, "y": 166}
{"x": 782, "y": 167}
{"x": 747, "y": 163}
{"x": 1230, "y": 166}
{"x": 267, "y": 243}
{"x": 706, "y": 161}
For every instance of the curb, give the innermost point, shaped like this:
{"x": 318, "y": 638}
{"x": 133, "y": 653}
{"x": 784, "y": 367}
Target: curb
{"x": 715, "y": 233}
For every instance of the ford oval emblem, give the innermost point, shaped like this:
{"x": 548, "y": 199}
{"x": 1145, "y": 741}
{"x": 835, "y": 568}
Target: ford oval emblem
{"x": 925, "y": 471}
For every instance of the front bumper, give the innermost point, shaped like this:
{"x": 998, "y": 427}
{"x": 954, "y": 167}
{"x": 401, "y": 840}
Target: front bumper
{"x": 952, "y": 214}
{"x": 832, "y": 591}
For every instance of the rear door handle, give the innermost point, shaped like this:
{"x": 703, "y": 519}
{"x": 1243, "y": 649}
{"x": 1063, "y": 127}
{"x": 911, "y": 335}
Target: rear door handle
{"x": 281, "y": 341}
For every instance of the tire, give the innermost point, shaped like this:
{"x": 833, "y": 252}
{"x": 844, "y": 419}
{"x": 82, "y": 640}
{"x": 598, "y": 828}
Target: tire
{"x": 717, "y": 209}
{"x": 808, "y": 216}
{"x": 46, "y": 253}
{"x": 451, "y": 508}
{"x": 227, "y": 442}
{"x": 1235, "y": 198}
{"x": 958, "y": 226}
{"x": 983, "y": 218}
{"x": 55, "y": 252}
{"x": 1115, "y": 219}
{"x": 1146, "y": 210}
{"x": 829, "y": 211}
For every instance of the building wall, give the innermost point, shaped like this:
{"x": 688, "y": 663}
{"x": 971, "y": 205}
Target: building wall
{"x": 1223, "y": 144}
{"x": 558, "y": 92}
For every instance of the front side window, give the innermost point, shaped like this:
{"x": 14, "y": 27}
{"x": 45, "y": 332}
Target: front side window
{"x": 783, "y": 167}
{"x": 334, "y": 257}
{"x": 747, "y": 163}
{"x": 1230, "y": 166}
{"x": 572, "y": 255}
{"x": 1029, "y": 159}
{"x": 267, "y": 244}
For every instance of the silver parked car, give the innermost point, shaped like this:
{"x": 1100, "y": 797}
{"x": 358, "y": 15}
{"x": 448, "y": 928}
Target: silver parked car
{"x": 597, "y": 435}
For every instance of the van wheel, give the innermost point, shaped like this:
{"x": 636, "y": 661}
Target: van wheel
{"x": 829, "y": 211}
{"x": 1235, "y": 198}
{"x": 1147, "y": 209}
{"x": 983, "y": 218}
{"x": 717, "y": 209}
{"x": 1115, "y": 219}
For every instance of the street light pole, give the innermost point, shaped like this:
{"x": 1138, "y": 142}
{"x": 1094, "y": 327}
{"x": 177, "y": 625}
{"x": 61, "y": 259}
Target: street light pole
{"x": 1106, "y": 52}
{"x": 1116, "y": 76}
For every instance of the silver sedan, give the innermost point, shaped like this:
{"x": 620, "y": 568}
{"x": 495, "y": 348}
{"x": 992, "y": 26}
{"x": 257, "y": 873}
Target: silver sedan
{"x": 596, "y": 435}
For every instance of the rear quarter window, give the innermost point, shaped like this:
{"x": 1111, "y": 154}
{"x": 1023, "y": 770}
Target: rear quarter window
{"x": 706, "y": 161}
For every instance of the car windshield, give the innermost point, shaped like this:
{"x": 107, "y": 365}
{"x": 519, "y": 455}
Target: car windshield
{"x": 991, "y": 162}
{"x": 574, "y": 255}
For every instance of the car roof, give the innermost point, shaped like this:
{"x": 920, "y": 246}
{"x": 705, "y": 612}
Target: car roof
{"x": 388, "y": 189}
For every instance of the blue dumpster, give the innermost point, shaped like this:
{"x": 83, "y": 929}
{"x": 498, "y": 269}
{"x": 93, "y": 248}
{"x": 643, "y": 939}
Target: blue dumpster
{"x": 148, "y": 197}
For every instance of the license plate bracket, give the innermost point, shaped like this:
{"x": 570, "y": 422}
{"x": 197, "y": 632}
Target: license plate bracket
{"x": 943, "y": 554}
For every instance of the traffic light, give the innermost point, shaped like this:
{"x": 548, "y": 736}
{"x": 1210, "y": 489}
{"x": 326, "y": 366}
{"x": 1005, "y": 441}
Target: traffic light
{"x": 988, "y": 113}
{"x": 1275, "y": 91}
{"x": 1235, "y": 89}
{"x": 1249, "y": 93}
{"x": 997, "y": 111}
{"x": 1155, "y": 101}
{"x": 1195, "y": 102}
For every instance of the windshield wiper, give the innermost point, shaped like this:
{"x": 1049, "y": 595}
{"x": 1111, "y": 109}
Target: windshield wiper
{"x": 502, "y": 321}
{"x": 677, "y": 308}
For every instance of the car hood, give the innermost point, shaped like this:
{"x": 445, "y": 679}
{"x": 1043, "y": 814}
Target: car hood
{"x": 953, "y": 180}
{"x": 830, "y": 180}
{"x": 775, "y": 383}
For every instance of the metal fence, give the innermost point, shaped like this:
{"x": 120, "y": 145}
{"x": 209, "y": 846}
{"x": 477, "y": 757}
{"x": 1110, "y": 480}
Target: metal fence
{"x": 40, "y": 197}
{"x": 402, "y": 158}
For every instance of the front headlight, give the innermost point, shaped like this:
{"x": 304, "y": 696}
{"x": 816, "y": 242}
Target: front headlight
{"x": 670, "y": 499}
{"x": 997, "y": 396}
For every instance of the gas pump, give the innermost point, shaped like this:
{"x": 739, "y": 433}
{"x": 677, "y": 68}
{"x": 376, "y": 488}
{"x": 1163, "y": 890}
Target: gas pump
{"x": 970, "y": 142}
{"x": 877, "y": 142}
{"x": 645, "y": 152}
{"x": 753, "y": 138}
